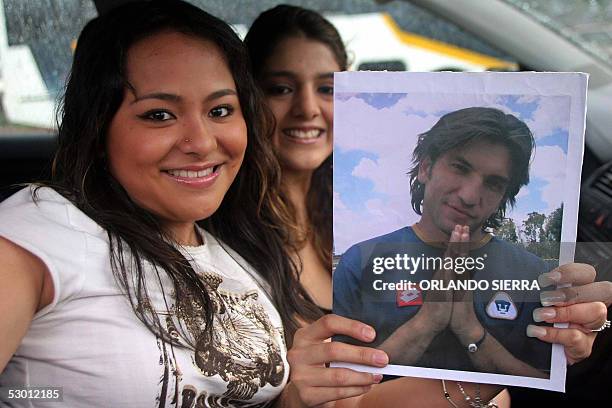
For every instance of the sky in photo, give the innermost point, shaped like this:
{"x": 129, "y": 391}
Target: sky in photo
{"x": 375, "y": 134}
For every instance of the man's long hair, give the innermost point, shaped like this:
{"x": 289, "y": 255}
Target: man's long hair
{"x": 459, "y": 129}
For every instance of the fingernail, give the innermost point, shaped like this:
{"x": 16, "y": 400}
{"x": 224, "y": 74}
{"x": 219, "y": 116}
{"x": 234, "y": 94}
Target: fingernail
{"x": 377, "y": 378}
{"x": 368, "y": 333}
{"x": 552, "y": 298}
{"x": 535, "y": 331}
{"x": 549, "y": 278}
{"x": 544, "y": 313}
{"x": 380, "y": 358}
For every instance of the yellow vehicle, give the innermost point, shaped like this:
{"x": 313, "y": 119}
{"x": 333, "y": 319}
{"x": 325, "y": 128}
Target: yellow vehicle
{"x": 376, "y": 42}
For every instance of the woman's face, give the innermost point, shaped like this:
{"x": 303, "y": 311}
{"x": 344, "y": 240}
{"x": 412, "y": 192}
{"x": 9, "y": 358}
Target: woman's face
{"x": 178, "y": 139}
{"x": 298, "y": 83}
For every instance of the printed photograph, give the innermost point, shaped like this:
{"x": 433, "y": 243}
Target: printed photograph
{"x": 449, "y": 205}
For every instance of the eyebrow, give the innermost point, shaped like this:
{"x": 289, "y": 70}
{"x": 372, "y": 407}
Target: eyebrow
{"x": 164, "y": 96}
{"x": 324, "y": 75}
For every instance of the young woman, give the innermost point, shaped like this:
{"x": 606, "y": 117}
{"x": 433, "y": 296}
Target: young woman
{"x": 294, "y": 53}
{"x": 139, "y": 275}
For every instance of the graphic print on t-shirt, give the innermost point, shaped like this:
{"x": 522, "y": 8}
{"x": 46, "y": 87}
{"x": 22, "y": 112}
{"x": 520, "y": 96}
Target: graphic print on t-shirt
{"x": 241, "y": 348}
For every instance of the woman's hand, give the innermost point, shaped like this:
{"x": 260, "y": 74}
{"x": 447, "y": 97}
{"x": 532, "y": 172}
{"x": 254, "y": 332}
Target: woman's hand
{"x": 583, "y": 305}
{"x": 313, "y": 380}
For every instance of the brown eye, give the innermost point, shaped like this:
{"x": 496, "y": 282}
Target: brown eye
{"x": 158, "y": 115}
{"x": 278, "y": 90}
{"x": 221, "y": 111}
{"x": 460, "y": 168}
{"x": 496, "y": 186}
{"x": 326, "y": 89}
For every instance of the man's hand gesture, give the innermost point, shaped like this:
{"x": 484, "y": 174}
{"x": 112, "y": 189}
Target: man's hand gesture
{"x": 464, "y": 323}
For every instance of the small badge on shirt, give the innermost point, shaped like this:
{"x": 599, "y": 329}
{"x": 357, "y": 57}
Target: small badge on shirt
{"x": 501, "y": 306}
{"x": 411, "y": 297}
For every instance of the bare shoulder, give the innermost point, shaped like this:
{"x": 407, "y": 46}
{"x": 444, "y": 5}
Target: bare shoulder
{"x": 24, "y": 272}
{"x": 25, "y": 288}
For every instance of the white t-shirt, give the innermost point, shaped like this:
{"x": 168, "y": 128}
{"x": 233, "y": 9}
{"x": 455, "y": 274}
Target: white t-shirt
{"x": 89, "y": 341}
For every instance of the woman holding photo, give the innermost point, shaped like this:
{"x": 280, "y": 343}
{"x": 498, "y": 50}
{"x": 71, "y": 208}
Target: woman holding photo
{"x": 139, "y": 275}
{"x": 153, "y": 269}
{"x": 294, "y": 52}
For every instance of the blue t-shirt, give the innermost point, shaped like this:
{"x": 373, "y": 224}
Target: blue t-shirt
{"x": 504, "y": 313}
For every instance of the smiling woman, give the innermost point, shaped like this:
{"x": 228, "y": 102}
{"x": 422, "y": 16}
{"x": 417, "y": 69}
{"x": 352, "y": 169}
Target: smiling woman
{"x": 298, "y": 82}
{"x": 176, "y": 143}
{"x": 295, "y": 52}
{"x": 157, "y": 239}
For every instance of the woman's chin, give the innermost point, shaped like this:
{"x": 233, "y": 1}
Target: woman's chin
{"x": 302, "y": 164}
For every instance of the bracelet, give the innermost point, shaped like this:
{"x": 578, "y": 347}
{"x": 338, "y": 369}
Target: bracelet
{"x": 473, "y": 347}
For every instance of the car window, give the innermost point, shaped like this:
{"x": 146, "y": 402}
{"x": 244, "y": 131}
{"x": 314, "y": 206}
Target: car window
{"x": 38, "y": 37}
{"x": 584, "y": 23}
{"x": 36, "y": 42}
{"x": 396, "y": 35}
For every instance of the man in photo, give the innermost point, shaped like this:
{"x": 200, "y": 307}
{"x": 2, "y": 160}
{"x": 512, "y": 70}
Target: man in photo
{"x": 468, "y": 168}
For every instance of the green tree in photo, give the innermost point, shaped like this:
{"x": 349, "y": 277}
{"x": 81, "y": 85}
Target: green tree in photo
{"x": 542, "y": 233}
{"x": 533, "y": 227}
{"x": 507, "y": 231}
{"x": 552, "y": 227}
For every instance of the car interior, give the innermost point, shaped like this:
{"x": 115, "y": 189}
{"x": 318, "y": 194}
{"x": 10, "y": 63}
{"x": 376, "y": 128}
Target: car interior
{"x": 503, "y": 28}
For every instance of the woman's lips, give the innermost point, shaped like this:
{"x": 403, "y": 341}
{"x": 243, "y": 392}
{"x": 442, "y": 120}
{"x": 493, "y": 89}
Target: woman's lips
{"x": 192, "y": 173}
{"x": 192, "y": 177}
{"x": 303, "y": 135}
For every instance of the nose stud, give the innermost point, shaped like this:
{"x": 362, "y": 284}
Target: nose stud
{"x": 187, "y": 140}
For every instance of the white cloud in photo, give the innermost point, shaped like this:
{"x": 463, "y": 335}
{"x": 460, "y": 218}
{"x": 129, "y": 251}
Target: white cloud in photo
{"x": 433, "y": 106}
{"x": 378, "y": 218}
{"x": 525, "y": 99}
{"x": 376, "y": 131}
{"x": 388, "y": 173}
{"x": 549, "y": 164}
{"x": 388, "y": 136}
{"x": 375, "y": 207}
{"x": 338, "y": 204}
{"x": 523, "y": 192}
{"x": 551, "y": 115}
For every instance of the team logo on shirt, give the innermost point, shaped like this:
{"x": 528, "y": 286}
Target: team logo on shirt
{"x": 501, "y": 306}
{"x": 409, "y": 298}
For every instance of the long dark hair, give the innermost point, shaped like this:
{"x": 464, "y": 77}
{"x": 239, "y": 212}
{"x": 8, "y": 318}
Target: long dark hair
{"x": 460, "y": 128}
{"x": 251, "y": 215}
{"x": 271, "y": 27}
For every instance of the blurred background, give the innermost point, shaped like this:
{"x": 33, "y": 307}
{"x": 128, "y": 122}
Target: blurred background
{"x": 37, "y": 39}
